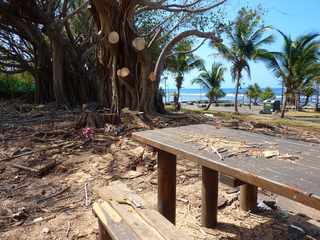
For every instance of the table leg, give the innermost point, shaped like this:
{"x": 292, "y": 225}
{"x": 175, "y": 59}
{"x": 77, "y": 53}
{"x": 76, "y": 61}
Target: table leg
{"x": 167, "y": 185}
{"x": 209, "y": 211}
{"x": 248, "y": 197}
{"x": 103, "y": 234}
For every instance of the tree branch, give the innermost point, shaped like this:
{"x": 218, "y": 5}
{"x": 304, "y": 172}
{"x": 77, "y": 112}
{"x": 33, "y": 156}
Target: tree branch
{"x": 180, "y": 8}
{"x": 160, "y": 62}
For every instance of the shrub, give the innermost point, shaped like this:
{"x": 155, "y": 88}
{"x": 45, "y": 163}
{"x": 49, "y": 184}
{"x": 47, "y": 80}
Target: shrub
{"x": 17, "y": 85}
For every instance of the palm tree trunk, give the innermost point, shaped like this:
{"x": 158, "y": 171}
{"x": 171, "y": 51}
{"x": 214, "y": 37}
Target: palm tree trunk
{"x": 282, "y": 92}
{"x": 317, "y": 95}
{"x": 306, "y": 101}
{"x": 297, "y": 101}
{"x": 284, "y": 105}
{"x": 177, "y": 104}
{"x": 236, "y": 110}
{"x": 250, "y": 103}
{"x": 209, "y": 105}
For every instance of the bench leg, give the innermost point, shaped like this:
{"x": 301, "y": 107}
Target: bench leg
{"x": 103, "y": 234}
{"x": 167, "y": 164}
{"x": 248, "y": 197}
{"x": 209, "y": 211}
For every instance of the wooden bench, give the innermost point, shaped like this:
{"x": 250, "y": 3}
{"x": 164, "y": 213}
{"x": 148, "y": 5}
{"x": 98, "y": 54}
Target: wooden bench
{"x": 123, "y": 215}
{"x": 298, "y": 180}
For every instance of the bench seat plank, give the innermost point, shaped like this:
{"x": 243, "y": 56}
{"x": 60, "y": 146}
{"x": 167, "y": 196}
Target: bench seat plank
{"x": 132, "y": 213}
{"x": 298, "y": 180}
{"x": 117, "y": 230}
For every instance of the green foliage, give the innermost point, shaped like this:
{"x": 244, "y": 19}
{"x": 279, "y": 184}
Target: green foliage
{"x": 181, "y": 62}
{"x": 308, "y": 90}
{"x": 16, "y": 85}
{"x": 246, "y": 37}
{"x": 254, "y": 92}
{"x": 267, "y": 94}
{"x": 298, "y": 62}
{"x": 211, "y": 80}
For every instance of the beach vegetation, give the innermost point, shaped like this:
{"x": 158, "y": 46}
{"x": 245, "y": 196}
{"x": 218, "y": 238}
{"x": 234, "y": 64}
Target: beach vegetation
{"x": 211, "y": 80}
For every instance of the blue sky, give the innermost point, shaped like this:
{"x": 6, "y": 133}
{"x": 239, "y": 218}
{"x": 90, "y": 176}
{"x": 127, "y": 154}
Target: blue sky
{"x": 294, "y": 17}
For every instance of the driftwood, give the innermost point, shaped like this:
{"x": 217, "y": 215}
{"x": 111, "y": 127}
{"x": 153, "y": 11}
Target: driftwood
{"x": 37, "y": 171}
{"x": 41, "y": 219}
{"x": 37, "y": 151}
{"x": 33, "y": 170}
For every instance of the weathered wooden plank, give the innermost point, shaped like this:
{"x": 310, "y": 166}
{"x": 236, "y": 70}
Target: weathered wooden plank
{"x": 209, "y": 198}
{"x": 137, "y": 222}
{"x": 167, "y": 185}
{"x": 164, "y": 226}
{"x": 298, "y": 180}
{"x": 131, "y": 211}
{"x": 111, "y": 224}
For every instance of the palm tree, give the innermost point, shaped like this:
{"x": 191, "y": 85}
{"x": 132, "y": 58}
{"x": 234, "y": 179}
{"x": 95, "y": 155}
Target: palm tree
{"x": 211, "y": 80}
{"x": 267, "y": 94}
{"x": 308, "y": 91}
{"x": 181, "y": 63}
{"x": 254, "y": 92}
{"x": 246, "y": 37}
{"x": 296, "y": 65}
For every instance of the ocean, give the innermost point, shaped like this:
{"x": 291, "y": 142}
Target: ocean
{"x": 191, "y": 94}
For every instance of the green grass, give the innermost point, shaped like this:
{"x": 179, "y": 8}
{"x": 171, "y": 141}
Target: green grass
{"x": 266, "y": 119}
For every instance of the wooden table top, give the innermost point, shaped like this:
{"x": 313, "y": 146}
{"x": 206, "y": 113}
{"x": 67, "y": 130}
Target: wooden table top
{"x": 294, "y": 172}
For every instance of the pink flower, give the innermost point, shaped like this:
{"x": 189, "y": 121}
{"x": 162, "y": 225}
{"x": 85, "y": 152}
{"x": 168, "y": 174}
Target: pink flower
{"x": 87, "y": 133}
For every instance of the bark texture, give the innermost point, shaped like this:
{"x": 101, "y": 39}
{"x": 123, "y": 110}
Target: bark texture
{"x": 135, "y": 91}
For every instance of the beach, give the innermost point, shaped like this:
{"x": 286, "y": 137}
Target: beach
{"x": 199, "y": 95}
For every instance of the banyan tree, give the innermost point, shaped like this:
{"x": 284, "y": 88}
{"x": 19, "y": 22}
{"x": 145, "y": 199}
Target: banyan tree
{"x": 136, "y": 37}
{"x": 51, "y": 40}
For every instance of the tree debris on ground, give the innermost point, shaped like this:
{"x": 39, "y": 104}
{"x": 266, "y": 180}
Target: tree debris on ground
{"x": 57, "y": 203}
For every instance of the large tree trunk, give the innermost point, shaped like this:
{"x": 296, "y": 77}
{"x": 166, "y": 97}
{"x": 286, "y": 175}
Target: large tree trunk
{"x": 43, "y": 74}
{"x": 58, "y": 70}
{"x": 138, "y": 90}
{"x": 43, "y": 87}
{"x": 73, "y": 83}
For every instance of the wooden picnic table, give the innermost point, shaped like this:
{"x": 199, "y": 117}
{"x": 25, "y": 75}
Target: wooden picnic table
{"x": 294, "y": 173}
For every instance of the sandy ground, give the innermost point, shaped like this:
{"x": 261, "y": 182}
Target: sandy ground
{"x": 243, "y": 109}
{"x": 58, "y": 204}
